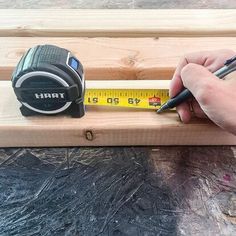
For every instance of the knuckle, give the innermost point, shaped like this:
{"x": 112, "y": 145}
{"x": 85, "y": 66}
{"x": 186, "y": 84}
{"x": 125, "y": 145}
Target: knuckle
{"x": 184, "y": 59}
{"x": 209, "y": 60}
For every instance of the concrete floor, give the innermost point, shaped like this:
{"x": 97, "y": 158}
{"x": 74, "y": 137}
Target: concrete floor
{"x": 118, "y": 4}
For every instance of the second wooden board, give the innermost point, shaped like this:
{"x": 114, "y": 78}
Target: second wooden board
{"x": 118, "y": 23}
{"x": 116, "y": 58}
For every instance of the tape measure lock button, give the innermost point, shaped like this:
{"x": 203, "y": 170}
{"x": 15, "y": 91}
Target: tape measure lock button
{"x": 49, "y": 80}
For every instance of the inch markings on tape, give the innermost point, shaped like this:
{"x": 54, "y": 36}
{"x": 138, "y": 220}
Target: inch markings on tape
{"x": 134, "y": 98}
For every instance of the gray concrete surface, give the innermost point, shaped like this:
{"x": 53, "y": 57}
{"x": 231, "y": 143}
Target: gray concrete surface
{"x": 118, "y": 4}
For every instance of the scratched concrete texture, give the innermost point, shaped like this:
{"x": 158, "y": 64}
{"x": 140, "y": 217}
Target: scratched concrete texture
{"x": 120, "y": 191}
{"x": 120, "y": 4}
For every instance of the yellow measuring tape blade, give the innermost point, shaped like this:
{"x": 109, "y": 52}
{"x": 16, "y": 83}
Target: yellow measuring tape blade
{"x": 135, "y": 98}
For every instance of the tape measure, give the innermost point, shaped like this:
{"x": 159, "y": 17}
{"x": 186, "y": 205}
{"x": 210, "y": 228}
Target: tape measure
{"x": 133, "y": 98}
{"x": 50, "y": 80}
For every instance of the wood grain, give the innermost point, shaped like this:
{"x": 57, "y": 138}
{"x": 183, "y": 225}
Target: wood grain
{"x": 116, "y": 58}
{"x": 102, "y": 127}
{"x": 117, "y": 23}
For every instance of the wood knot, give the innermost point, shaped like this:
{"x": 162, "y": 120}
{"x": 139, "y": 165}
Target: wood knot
{"x": 89, "y": 135}
{"x": 129, "y": 61}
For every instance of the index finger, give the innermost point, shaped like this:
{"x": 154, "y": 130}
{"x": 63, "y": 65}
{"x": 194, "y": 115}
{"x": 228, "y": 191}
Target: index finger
{"x": 176, "y": 84}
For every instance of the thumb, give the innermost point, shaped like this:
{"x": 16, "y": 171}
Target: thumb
{"x": 204, "y": 85}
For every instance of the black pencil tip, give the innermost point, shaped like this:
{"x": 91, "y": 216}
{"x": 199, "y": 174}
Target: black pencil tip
{"x": 162, "y": 108}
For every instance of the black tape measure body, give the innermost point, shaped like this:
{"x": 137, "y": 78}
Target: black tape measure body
{"x": 49, "y": 80}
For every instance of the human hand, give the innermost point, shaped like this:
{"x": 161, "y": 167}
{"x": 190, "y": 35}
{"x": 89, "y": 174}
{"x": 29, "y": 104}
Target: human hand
{"x": 213, "y": 98}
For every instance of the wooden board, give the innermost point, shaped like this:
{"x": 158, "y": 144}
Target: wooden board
{"x": 102, "y": 127}
{"x": 116, "y": 58}
{"x": 116, "y": 23}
